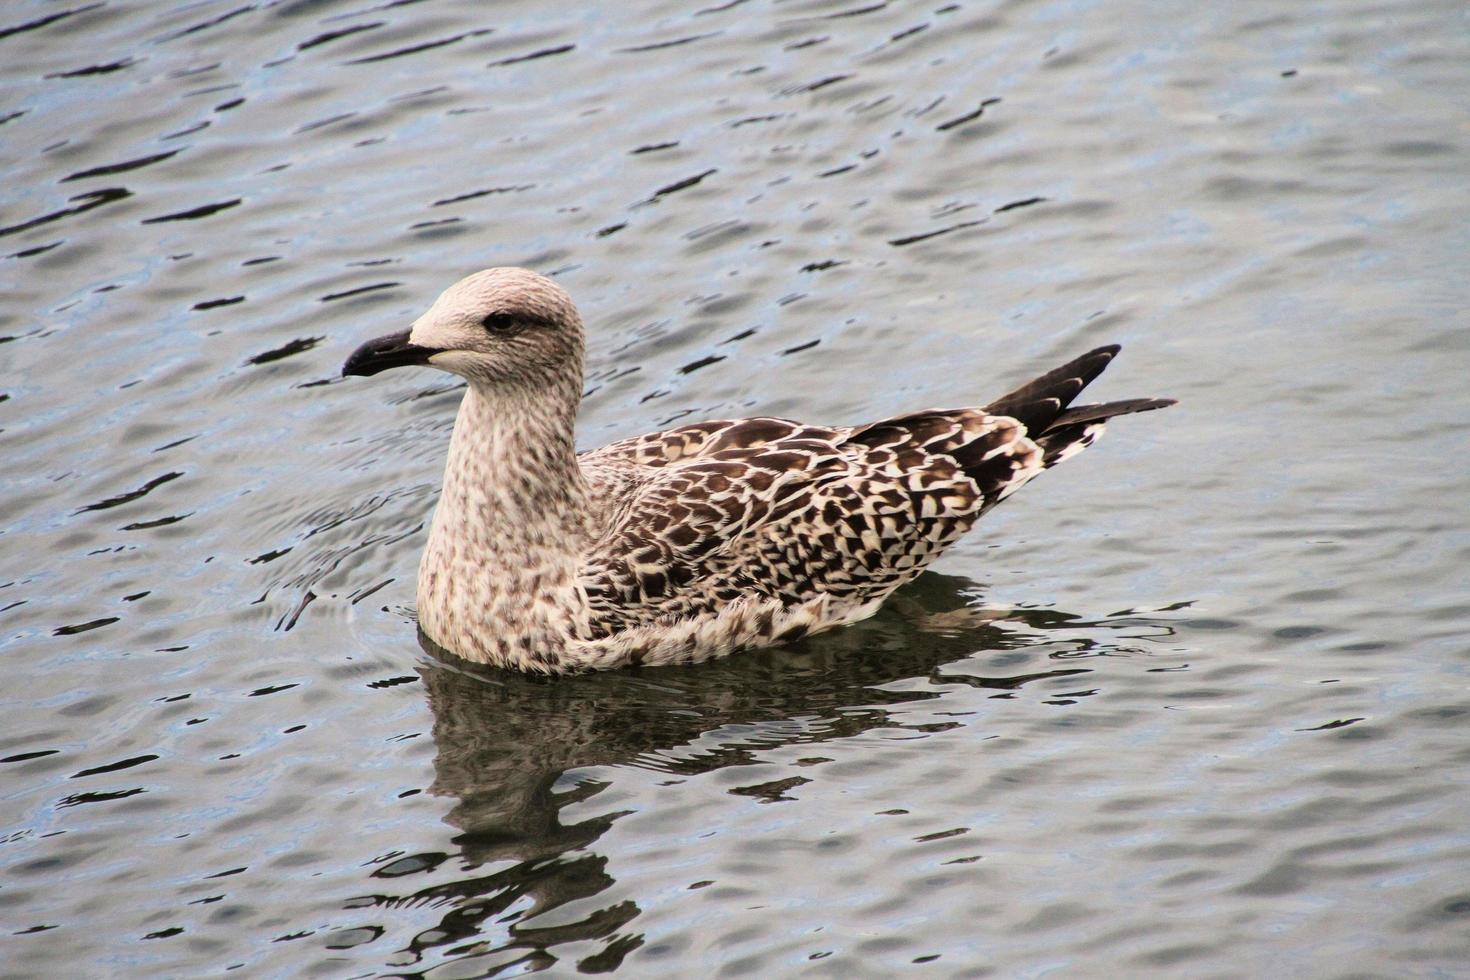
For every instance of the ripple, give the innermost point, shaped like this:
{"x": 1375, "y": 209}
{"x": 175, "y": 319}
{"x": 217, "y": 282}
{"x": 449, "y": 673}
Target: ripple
{"x": 225, "y": 750}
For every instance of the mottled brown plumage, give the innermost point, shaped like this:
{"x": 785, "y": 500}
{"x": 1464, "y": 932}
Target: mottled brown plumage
{"x": 691, "y": 543}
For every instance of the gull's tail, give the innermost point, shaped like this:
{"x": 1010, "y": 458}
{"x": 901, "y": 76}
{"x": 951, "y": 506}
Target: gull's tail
{"x": 1044, "y": 406}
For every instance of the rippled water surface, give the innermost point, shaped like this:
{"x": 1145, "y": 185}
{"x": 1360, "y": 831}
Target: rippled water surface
{"x": 1196, "y": 704}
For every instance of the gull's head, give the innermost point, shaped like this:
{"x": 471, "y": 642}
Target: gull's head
{"x": 496, "y": 327}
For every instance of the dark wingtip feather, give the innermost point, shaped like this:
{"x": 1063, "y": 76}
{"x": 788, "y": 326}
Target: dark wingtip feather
{"x": 1107, "y": 410}
{"x": 1079, "y": 426}
{"x": 1038, "y": 403}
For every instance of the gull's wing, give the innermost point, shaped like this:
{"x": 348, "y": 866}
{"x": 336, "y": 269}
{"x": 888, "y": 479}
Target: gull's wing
{"x": 850, "y": 513}
{"x": 700, "y": 439}
{"x": 699, "y": 516}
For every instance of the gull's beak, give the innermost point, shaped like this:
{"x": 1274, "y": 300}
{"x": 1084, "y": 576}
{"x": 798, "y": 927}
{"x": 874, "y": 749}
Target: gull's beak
{"x": 387, "y": 352}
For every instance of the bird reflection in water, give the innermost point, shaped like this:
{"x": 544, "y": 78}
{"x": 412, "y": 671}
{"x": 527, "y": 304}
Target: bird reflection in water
{"x": 505, "y": 741}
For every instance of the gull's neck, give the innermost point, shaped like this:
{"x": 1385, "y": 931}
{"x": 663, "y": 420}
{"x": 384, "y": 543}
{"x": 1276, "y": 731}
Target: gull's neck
{"x": 498, "y": 579}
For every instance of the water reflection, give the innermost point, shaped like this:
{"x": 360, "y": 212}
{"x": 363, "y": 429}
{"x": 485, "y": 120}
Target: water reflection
{"x": 504, "y": 743}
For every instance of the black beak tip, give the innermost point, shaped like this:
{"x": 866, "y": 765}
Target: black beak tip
{"x": 354, "y": 366}
{"x": 383, "y": 353}
{"x": 358, "y": 366}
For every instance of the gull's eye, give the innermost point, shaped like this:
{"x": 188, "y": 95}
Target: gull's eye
{"x": 499, "y": 322}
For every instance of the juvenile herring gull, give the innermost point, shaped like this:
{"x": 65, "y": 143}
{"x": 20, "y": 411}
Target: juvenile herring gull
{"x": 692, "y": 543}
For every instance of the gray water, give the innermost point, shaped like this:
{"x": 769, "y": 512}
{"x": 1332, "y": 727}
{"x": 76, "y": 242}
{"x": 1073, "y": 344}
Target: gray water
{"x": 1194, "y": 705}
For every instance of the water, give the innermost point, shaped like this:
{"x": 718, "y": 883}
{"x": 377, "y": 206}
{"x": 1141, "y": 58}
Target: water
{"x": 1193, "y": 705}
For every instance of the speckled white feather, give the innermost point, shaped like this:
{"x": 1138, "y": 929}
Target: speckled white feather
{"x": 680, "y": 546}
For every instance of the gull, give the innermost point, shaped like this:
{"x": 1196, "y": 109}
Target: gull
{"x": 701, "y": 540}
